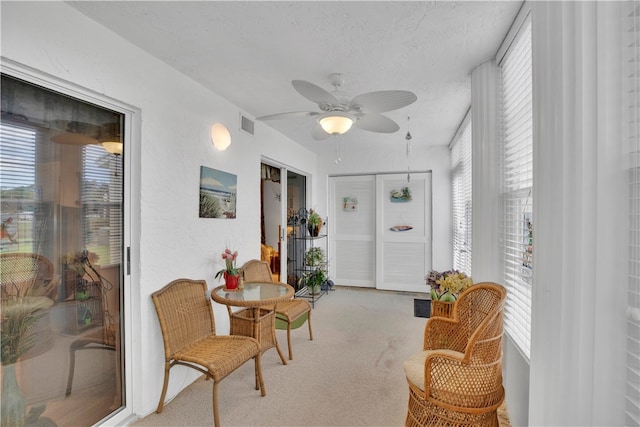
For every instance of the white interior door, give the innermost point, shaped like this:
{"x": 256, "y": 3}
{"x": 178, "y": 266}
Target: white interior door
{"x": 403, "y": 231}
{"x": 352, "y": 236}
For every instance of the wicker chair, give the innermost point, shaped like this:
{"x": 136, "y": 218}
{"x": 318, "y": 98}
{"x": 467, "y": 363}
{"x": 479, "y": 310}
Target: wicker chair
{"x": 292, "y": 313}
{"x": 457, "y": 379}
{"x": 189, "y": 334}
{"x": 26, "y": 274}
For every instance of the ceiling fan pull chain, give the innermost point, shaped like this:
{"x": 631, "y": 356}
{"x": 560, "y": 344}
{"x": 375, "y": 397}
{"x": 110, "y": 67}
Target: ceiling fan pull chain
{"x": 408, "y": 138}
{"x": 338, "y": 159}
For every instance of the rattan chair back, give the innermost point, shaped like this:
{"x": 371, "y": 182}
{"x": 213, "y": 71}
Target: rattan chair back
{"x": 26, "y": 274}
{"x": 184, "y": 313}
{"x": 256, "y": 271}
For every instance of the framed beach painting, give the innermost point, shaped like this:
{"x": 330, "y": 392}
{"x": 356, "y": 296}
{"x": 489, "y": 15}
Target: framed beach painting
{"x": 218, "y": 193}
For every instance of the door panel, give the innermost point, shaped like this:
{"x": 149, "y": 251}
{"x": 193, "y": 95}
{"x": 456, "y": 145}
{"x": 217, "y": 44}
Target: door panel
{"x": 352, "y": 238}
{"x": 403, "y": 238}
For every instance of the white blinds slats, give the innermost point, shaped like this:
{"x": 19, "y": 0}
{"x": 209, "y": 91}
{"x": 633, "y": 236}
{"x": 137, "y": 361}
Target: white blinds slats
{"x": 102, "y": 204}
{"x": 461, "y": 196}
{"x": 517, "y": 181}
{"x": 632, "y": 58}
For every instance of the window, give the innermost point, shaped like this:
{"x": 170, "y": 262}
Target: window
{"x": 17, "y": 180}
{"x": 517, "y": 181}
{"x": 102, "y": 204}
{"x": 461, "y": 196}
{"x": 632, "y": 406}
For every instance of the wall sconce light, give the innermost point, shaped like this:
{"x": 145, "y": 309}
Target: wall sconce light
{"x": 220, "y": 136}
{"x": 335, "y": 122}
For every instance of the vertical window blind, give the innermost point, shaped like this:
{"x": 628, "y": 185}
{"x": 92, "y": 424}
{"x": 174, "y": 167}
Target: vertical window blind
{"x": 517, "y": 182}
{"x": 632, "y": 58}
{"x": 461, "y": 196}
{"x": 102, "y": 204}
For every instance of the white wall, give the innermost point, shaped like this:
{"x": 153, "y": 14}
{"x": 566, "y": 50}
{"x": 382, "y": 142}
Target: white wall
{"x": 171, "y": 145}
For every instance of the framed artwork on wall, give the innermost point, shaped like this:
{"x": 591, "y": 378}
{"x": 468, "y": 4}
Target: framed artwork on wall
{"x": 218, "y": 193}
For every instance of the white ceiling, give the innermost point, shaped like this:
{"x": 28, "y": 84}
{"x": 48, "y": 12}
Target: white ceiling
{"x": 250, "y": 51}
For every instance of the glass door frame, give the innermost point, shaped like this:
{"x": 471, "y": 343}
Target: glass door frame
{"x": 131, "y": 137}
{"x": 283, "y": 214}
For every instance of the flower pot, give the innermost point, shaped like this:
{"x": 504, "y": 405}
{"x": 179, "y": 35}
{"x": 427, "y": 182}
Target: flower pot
{"x": 314, "y": 290}
{"x": 441, "y": 309}
{"x": 314, "y": 230}
{"x": 13, "y": 404}
{"x": 230, "y": 281}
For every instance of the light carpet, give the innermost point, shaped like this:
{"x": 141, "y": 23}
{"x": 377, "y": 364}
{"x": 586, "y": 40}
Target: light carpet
{"x": 349, "y": 375}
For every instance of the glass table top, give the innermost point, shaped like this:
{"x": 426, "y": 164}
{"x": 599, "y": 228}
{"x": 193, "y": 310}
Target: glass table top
{"x": 253, "y": 292}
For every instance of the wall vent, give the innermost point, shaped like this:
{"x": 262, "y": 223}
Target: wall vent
{"x": 246, "y": 124}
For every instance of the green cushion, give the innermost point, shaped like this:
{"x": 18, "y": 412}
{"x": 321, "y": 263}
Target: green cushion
{"x": 282, "y": 324}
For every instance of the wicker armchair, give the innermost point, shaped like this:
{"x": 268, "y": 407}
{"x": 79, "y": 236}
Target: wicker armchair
{"x": 457, "y": 379}
{"x": 189, "y": 334}
{"x": 292, "y": 313}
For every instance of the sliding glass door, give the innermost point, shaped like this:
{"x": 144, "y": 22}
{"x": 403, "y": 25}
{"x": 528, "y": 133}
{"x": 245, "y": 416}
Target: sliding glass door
{"x": 61, "y": 249}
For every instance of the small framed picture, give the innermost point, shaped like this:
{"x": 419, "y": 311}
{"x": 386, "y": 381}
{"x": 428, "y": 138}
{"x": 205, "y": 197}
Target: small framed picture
{"x": 350, "y": 204}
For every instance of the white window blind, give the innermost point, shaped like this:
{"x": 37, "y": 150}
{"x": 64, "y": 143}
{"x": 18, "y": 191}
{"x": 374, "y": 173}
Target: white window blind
{"x": 632, "y": 58}
{"x": 461, "y": 196}
{"x": 517, "y": 180}
{"x": 17, "y": 181}
{"x": 102, "y": 204}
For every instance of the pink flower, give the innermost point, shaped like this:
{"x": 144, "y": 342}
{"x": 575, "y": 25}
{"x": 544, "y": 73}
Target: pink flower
{"x": 229, "y": 258}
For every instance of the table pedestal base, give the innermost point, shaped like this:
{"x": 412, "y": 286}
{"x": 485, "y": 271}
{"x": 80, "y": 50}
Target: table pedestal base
{"x": 258, "y": 323}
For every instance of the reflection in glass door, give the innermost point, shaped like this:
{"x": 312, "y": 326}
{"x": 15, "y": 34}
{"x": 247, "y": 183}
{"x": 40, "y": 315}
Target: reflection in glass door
{"x": 61, "y": 245}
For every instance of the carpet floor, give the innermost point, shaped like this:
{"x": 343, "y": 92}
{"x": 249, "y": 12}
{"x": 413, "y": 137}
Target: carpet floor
{"x": 349, "y": 375}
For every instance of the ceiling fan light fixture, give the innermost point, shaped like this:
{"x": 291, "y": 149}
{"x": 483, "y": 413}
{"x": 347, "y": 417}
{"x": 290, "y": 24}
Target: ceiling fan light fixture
{"x": 113, "y": 147}
{"x": 336, "y": 123}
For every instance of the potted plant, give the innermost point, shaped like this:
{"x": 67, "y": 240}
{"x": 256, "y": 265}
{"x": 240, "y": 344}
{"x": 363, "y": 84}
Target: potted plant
{"x": 79, "y": 264}
{"x": 313, "y": 280}
{"x": 21, "y": 310}
{"x": 230, "y": 273}
{"x": 314, "y": 223}
{"x": 445, "y": 289}
{"x": 314, "y": 256}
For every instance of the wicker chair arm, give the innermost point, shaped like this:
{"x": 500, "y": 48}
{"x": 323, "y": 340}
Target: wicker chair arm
{"x": 444, "y": 333}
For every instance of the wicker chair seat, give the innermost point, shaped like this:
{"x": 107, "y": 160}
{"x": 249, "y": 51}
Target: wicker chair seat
{"x": 221, "y": 354}
{"x": 293, "y": 309}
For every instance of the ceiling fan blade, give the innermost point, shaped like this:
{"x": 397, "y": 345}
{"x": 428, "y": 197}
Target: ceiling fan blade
{"x": 318, "y": 133}
{"x": 292, "y": 115}
{"x": 315, "y": 93}
{"x": 381, "y": 101}
{"x": 376, "y": 123}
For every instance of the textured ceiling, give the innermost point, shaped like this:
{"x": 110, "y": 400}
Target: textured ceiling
{"x": 249, "y": 52}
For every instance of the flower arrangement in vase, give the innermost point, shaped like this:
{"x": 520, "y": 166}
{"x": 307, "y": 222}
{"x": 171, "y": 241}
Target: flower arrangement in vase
{"x": 230, "y": 273}
{"x": 446, "y": 286}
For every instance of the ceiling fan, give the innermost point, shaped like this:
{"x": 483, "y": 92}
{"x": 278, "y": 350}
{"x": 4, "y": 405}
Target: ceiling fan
{"x": 338, "y": 113}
